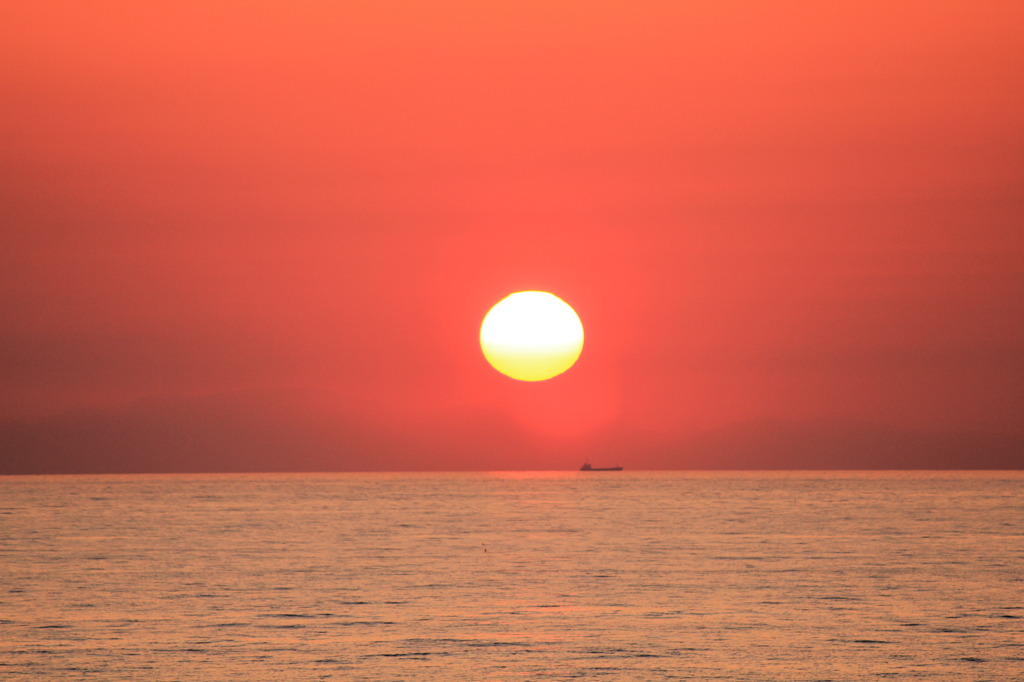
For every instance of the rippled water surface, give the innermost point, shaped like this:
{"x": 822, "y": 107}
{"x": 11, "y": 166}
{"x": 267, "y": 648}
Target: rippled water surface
{"x": 513, "y": 576}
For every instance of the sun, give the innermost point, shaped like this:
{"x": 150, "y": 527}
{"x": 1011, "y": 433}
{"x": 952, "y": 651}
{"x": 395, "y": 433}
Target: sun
{"x": 531, "y": 336}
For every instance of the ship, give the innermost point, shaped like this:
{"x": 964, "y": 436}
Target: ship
{"x": 586, "y": 467}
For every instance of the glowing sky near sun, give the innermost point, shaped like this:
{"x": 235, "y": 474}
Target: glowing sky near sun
{"x": 298, "y": 214}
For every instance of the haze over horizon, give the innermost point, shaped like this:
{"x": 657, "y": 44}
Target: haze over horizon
{"x": 248, "y": 238}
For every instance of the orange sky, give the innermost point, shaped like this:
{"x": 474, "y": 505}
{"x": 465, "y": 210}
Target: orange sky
{"x": 791, "y": 211}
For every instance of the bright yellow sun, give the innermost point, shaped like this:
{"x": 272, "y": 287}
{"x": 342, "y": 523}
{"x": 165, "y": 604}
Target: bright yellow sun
{"x": 531, "y": 336}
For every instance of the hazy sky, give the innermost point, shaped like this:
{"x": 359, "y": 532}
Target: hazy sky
{"x": 761, "y": 210}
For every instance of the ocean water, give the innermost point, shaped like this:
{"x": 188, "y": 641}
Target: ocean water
{"x": 514, "y": 576}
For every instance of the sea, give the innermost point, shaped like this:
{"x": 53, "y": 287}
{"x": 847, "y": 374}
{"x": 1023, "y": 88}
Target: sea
{"x": 513, "y": 576}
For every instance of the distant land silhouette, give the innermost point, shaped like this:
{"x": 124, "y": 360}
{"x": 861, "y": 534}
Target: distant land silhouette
{"x": 263, "y": 433}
